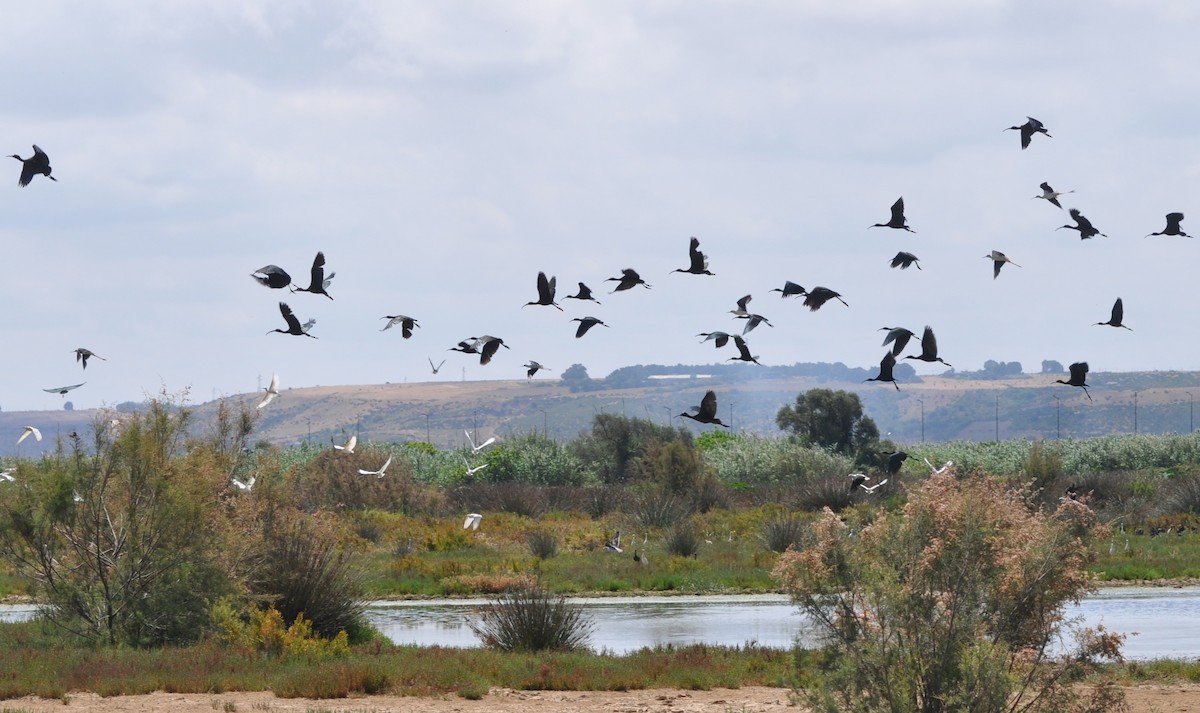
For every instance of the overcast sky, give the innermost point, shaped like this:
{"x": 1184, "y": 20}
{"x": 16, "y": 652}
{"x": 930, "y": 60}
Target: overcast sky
{"x": 440, "y": 154}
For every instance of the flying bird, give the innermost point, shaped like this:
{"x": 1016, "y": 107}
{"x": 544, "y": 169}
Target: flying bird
{"x": 62, "y": 390}
{"x": 476, "y": 448}
{"x": 818, "y": 296}
{"x": 585, "y": 293}
{"x": 998, "y": 259}
{"x": 1118, "y": 316}
{"x": 895, "y": 461}
{"x": 586, "y": 323}
{"x": 1173, "y": 221}
{"x": 489, "y": 345}
{"x": 938, "y": 471}
{"x": 472, "y": 521}
{"x": 905, "y": 260}
{"x": 898, "y": 336}
{"x": 377, "y": 473}
{"x": 719, "y": 338}
{"x": 39, "y": 162}
{"x": 789, "y": 289}
{"x": 349, "y": 447}
{"x": 6, "y": 476}
{"x": 476, "y": 469}
{"x": 873, "y": 488}
{"x": 897, "y": 220}
{"x": 272, "y": 276}
{"x": 533, "y": 367}
{"x": 743, "y": 351}
{"x": 753, "y": 320}
{"x": 857, "y": 479}
{"x": 317, "y": 281}
{"x": 628, "y": 279}
{"x": 82, "y": 355}
{"x": 245, "y": 486}
{"x": 1050, "y": 195}
{"x": 707, "y": 412}
{"x": 406, "y": 324}
{"x": 293, "y": 324}
{"x": 545, "y": 289}
{"x": 885, "y": 370}
{"x": 272, "y": 391}
{"x": 741, "y": 310}
{"x": 435, "y": 368}
{"x": 698, "y": 262}
{"x": 1078, "y": 378}
{"x": 1028, "y": 129}
{"x": 30, "y": 430}
{"x": 1085, "y": 227}
{"x": 929, "y": 348}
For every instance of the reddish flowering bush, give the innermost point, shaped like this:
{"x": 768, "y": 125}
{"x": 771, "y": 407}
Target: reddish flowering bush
{"x": 954, "y": 603}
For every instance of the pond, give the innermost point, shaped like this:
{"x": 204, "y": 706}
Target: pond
{"x": 1158, "y": 622}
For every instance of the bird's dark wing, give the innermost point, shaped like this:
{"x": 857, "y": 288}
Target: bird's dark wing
{"x": 898, "y": 211}
{"x": 318, "y": 272}
{"x": 584, "y": 326}
{"x": 928, "y": 343}
{"x": 1079, "y": 372}
{"x": 885, "y": 367}
{"x": 1077, "y": 216}
{"x": 1118, "y": 312}
{"x": 489, "y": 350}
{"x": 743, "y": 350}
{"x": 1046, "y": 187}
{"x": 743, "y": 302}
{"x": 544, "y": 288}
{"x": 708, "y": 406}
{"x": 26, "y": 174}
{"x": 996, "y": 265}
{"x": 289, "y": 317}
{"x": 585, "y": 292}
{"x": 1173, "y": 221}
{"x": 1053, "y": 200}
{"x": 695, "y": 256}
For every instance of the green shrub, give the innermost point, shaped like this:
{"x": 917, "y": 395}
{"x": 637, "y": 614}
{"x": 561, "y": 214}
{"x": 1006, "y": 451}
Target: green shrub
{"x": 531, "y": 619}
{"x": 542, "y": 544}
{"x": 783, "y": 532}
{"x": 683, "y": 540}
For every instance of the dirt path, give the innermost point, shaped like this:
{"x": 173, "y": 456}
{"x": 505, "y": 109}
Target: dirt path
{"x": 1182, "y": 698}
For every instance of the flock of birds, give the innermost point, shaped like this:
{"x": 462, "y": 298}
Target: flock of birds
{"x": 487, "y": 346}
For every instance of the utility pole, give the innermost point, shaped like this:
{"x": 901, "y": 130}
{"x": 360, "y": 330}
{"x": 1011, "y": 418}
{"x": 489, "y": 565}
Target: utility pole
{"x": 427, "y": 428}
{"x": 922, "y": 419}
{"x": 1057, "y": 419}
{"x": 997, "y": 418}
{"x": 1135, "y": 425}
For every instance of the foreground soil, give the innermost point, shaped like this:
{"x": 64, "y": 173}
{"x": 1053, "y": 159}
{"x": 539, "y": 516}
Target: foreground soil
{"x": 1156, "y": 698}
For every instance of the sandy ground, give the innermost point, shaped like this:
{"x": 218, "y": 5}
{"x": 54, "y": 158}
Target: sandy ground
{"x": 1142, "y": 699}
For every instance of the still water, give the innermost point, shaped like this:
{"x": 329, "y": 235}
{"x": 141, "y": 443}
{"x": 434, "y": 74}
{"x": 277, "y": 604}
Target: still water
{"x": 1158, "y": 622}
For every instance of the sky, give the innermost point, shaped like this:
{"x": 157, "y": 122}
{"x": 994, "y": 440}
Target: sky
{"x": 441, "y": 154}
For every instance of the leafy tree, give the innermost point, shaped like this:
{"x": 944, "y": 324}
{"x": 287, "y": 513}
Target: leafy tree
{"x": 1050, "y": 366}
{"x": 123, "y": 540}
{"x": 617, "y": 443}
{"x": 575, "y": 378}
{"x": 833, "y": 420}
{"x": 955, "y": 603}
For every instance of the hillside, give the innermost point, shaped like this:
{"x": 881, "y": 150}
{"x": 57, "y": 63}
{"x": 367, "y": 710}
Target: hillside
{"x": 955, "y": 406}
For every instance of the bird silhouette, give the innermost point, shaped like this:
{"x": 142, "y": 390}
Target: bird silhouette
{"x": 1078, "y": 378}
{"x": 586, "y": 323}
{"x": 1050, "y": 195}
{"x": 271, "y": 391}
{"x": 533, "y": 367}
{"x": 30, "y": 431}
{"x": 489, "y": 345}
{"x": 1118, "y": 316}
{"x": 898, "y": 336}
{"x": 377, "y": 473}
{"x": 1028, "y": 129}
{"x": 905, "y": 260}
{"x": 293, "y": 324}
{"x": 895, "y": 461}
{"x": 885, "y": 371}
{"x": 743, "y": 351}
{"x": 435, "y": 368}
{"x": 585, "y": 293}
{"x": 998, "y": 259}
{"x": 82, "y": 355}
{"x": 897, "y": 220}
{"x": 1084, "y": 226}
{"x": 818, "y": 296}
{"x": 406, "y": 324}
{"x": 741, "y": 310}
{"x": 698, "y": 262}
{"x": 317, "y": 281}
{"x": 628, "y": 279}
{"x": 39, "y": 162}
{"x": 929, "y": 348}
{"x": 753, "y": 320}
{"x": 1173, "y": 221}
{"x": 707, "y": 412}
{"x": 349, "y": 447}
{"x": 545, "y": 289}
{"x": 272, "y": 276}
{"x": 789, "y": 289}
{"x": 62, "y": 390}
{"x": 720, "y": 338}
